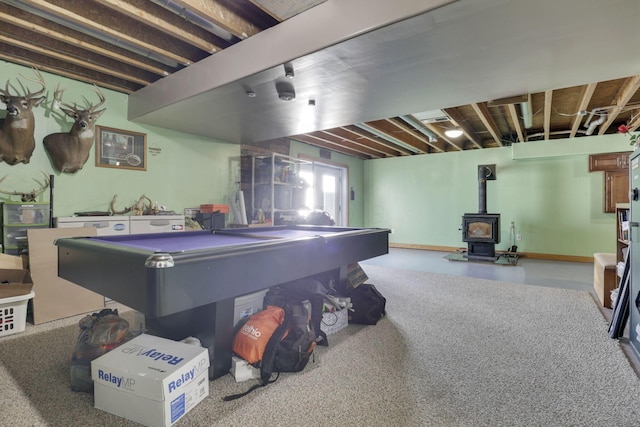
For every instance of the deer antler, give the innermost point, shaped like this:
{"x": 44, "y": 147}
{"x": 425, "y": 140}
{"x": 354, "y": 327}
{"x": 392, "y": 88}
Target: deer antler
{"x": 57, "y": 96}
{"x": 27, "y": 197}
{"x": 39, "y": 79}
{"x": 92, "y": 108}
{"x": 112, "y": 207}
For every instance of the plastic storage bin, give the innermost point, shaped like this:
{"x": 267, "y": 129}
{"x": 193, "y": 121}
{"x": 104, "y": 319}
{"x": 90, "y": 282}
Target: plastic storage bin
{"x": 17, "y": 218}
{"x": 13, "y": 313}
{"x": 25, "y": 213}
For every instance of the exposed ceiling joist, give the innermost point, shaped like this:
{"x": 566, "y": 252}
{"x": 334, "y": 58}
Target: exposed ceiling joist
{"x": 548, "y": 98}
{"x": 485, "y": 116}
{"x": 585, "y": 99}
{"x": 222, "y": 16}
{"x": 168, "y": 23}
{"x": 459, "y": 121}
{"x": 363, "y": 140}
{"x": 624, "y": 95}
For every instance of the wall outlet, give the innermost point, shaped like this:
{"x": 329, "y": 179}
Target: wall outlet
{"x": 518, "y": 236}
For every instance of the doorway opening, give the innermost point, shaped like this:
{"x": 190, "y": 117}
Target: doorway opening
{"x": 326, "y": 190}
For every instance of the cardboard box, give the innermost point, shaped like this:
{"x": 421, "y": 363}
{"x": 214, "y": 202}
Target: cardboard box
{"x": 11, "y": 262}
{"x": 249, "y": 304}
{"x": 14, "y": 282}
{"x": 57, "y": 298}
{"x": 213, "y": 208}
{"x": 242, "y": 370}
{"x": 356, "y": 275}
{"x": 151, "y": 380}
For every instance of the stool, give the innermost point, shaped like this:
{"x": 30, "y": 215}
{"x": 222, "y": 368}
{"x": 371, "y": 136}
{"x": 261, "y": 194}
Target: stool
{"x": 604, "y": 277}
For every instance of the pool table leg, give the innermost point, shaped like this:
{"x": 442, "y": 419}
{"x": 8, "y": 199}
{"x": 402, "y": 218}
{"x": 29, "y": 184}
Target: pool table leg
{"x": 212, "y": 324}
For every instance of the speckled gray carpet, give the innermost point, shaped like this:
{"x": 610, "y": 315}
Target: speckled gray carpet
{"x": 453, "y": 351}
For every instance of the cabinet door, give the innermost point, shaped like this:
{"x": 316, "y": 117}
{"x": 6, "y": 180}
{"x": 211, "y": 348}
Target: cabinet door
{"x": 608, "y": 161}
{"x": 616, "y": 189}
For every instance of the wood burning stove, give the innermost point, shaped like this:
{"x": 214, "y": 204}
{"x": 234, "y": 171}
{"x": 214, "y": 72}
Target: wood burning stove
{"x": 481, "y": 231}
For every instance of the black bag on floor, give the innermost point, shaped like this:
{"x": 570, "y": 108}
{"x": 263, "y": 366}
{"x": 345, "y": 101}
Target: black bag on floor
{"x": 99, "y": 333}
{"x": 367, "y": 305}
{"x": 289, "y": 347}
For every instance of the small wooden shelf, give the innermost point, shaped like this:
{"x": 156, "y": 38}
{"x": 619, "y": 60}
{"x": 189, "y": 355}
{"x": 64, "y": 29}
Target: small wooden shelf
{"x": 623, "y": 216}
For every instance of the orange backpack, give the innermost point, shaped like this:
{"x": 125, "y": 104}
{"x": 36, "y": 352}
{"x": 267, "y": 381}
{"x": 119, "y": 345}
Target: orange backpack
{"x": 252, "y": 338}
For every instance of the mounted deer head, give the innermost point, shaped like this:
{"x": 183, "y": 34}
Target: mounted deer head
{"x": 70, "y": 151}
{"x": 27, "y": 197}
{"x": 16, "y": 137}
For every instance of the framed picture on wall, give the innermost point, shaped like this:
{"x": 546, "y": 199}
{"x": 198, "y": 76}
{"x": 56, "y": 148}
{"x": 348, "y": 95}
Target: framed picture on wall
{"x": 123, "y": 149}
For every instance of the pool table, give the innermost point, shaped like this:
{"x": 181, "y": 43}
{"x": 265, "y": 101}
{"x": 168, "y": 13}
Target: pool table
{"x": 185, "y": 283}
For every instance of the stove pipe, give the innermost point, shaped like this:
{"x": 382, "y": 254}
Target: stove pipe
{"x": 482, "y": 189}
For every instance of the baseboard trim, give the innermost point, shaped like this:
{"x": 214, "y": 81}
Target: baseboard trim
{"x": 532, "y": 255}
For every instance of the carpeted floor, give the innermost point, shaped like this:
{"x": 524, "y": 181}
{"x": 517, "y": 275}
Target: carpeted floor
{"x": 453, "y": 351}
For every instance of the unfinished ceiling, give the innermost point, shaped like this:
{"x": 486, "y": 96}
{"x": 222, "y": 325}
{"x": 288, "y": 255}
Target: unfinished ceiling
{"x": 384, "y": 83}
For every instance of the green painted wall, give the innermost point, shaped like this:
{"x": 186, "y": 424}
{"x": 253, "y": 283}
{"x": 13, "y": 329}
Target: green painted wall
{"x": 556, "y": 204}
{"x": 356, "y": 177}
{"x": 188, "y": 171}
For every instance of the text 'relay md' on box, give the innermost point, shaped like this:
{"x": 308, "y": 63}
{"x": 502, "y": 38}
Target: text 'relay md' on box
{"x": 151, "y": 380}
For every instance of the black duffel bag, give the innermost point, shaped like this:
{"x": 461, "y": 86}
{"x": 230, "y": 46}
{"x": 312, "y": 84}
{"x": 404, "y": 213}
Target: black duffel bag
{"x": 367, "y": 305}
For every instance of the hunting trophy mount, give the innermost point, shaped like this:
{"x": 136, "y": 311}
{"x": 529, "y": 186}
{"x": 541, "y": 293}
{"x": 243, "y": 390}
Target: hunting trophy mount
{"x": 16, "y": 136}
{"x": 70, "y": 151}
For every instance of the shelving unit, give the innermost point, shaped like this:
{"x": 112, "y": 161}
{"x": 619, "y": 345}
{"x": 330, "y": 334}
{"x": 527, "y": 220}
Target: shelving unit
{"x": 17, "y": 218}
{"x": 622, "y": 227}
{"x": 276, "y": 188}
{"x": 634, "y": 253}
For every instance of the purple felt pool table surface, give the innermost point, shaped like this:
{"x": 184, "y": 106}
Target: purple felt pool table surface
{"x": 179, "y": 242}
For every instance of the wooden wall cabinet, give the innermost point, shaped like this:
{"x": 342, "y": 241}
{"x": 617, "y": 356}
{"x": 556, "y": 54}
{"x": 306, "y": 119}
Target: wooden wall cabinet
{"x": 609, "y": 161}
{"x": 616, "y": 177}
{"x": 616, "y": 189}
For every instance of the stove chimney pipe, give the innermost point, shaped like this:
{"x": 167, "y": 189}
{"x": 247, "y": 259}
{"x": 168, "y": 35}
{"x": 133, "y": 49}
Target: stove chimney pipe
{"x": 482, "y": 190}
{"x": 485, "y": 172}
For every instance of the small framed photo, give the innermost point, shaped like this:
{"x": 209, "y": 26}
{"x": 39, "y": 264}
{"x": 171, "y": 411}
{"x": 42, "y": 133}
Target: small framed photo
{"x": 123, "y": 149}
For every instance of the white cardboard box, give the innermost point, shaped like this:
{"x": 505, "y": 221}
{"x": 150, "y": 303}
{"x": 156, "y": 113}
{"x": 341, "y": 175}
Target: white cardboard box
{"x": 242, "y": 371}
{"x": 249, "y": 304}
{"x": 151, "y": 380}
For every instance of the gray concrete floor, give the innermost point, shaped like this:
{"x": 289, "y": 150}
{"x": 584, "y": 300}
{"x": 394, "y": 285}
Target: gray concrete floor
{"x": 559, "y": 274}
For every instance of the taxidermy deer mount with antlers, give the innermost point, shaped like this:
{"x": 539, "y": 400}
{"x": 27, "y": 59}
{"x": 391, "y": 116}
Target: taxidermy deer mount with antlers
{"x": 70, "y": 151}
{"x": 27, "y": 197}
{"x": 16, "y": 137}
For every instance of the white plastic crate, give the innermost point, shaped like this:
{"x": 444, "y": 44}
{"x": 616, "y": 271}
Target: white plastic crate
{"x": 13, "y": 313}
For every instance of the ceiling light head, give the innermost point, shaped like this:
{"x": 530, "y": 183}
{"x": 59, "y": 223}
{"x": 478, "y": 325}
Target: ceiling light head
{"x": 287, "y": 96}
{"x": 453, "y": 133}
{"x": 251, "y": 94}
{"x": 288, "y": 71}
